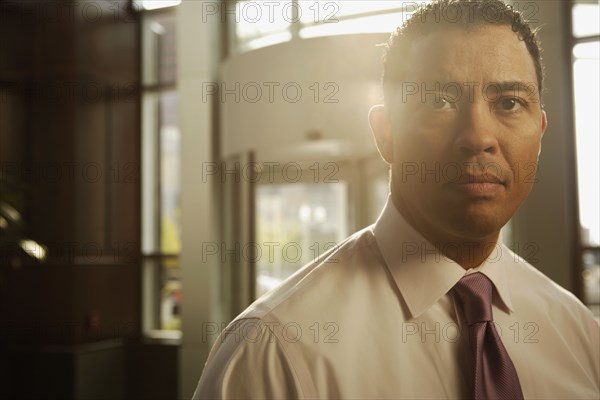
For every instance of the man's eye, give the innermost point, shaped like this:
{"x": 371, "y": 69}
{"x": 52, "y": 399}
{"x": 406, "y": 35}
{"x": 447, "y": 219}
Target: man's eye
{"x": 439, "y": 103}
{"x": 510, "y": 104}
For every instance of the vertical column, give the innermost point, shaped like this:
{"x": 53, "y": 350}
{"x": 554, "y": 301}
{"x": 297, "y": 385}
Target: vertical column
{"x": 544, "y": 226}
{"x": 198, "y": 52}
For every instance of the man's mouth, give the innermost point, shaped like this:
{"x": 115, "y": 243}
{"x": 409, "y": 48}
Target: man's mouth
{"x": 478, "y": 185}
{"x": 483, "y": 178}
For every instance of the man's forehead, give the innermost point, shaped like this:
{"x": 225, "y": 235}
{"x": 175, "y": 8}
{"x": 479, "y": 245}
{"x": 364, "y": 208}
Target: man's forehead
{"x": 446, "y": 52}
{"x": 457, "y": 40}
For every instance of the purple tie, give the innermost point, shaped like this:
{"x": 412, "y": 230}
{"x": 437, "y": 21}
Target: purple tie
{"x": 495, "y": 374}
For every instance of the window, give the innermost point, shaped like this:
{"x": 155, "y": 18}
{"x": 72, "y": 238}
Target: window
{"x": 258, "y": 24}
{"x": 161, "y": 242}
{"x": 296, "y": 223}
{"x": 586, "y": 88}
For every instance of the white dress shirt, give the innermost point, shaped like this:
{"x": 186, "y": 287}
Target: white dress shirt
{"x": 375, "y": 318}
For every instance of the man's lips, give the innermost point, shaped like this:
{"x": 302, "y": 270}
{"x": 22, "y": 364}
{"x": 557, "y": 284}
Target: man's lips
{"x": 466, "y": 179}
{"x": 478, "y": 185}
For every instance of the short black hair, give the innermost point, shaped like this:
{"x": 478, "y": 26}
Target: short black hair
{"x": 441, "y": 15}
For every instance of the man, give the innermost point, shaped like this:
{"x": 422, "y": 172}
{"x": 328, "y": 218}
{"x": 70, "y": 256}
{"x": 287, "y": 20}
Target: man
{"x": 427, "y": 303}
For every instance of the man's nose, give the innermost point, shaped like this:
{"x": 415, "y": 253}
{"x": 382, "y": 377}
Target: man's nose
{"x": 477, "y": 132}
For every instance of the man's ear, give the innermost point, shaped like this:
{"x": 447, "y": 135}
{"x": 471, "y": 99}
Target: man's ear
{"x": 544, "y": 126}
{"x": 544, "y": 122}
{"x": 382, "y": 132}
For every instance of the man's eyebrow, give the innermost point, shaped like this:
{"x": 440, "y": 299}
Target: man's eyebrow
{"x": 504, "y": 86}
{"x": 529, "y": 87}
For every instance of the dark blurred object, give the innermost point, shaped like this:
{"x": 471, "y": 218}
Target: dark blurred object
{"x": 14, "y": 244}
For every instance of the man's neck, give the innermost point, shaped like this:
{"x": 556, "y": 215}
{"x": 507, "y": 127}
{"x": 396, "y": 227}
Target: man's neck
{"x": 466, "y": 252}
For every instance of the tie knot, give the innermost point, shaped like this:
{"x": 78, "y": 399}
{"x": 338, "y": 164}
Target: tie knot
{"x": 474, "y": 293}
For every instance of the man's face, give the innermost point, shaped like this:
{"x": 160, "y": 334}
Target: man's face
{"x": 464, "y": 154}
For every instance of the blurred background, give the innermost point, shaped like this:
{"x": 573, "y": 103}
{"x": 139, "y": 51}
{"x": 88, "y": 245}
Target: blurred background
{"x": 164, "y": 163}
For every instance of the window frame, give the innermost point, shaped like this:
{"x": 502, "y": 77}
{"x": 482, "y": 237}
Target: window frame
{"x": 578, "y": 246}
{"x": 237, "y": 46}
{"x": 152, "y": 262}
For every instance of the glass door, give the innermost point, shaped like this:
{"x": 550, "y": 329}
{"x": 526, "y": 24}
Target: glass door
{"x": 296, "y": 223}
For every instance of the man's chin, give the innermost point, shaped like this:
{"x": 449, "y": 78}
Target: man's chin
{"x": 473, "y": 226}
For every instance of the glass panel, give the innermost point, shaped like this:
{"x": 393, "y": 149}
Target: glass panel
{"x": 161, "y": 109}
{"x": 160, "y": 177}
{"x": 170, "y": 174}
{"x": 586, "y": 19}
{"x": 296, "y": 223}
{"x": 259, "y": 24}
{"x": 586, "y": 71}
{"x": 167, "y": 47}
{"x": 256, "y": 19}
{"x": 158, "y": 46}
{"x": 384, "y": 23}
{"x": 331, "y": 10}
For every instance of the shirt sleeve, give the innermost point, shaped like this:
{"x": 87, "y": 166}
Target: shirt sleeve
{"x": 248, "y": 362}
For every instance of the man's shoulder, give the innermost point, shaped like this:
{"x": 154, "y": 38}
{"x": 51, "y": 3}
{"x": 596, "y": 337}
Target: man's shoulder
{"x": 313, "y": 283}
{"x": 537, "y": 287}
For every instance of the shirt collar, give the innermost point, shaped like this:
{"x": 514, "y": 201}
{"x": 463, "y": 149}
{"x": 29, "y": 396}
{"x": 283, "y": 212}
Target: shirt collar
{"x": 423, "y": 275}
{"x": 496, "y": 268}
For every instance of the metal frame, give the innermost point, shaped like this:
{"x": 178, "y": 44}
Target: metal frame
{"x": 153, "y": 262}
{"x": 578, "y": 247}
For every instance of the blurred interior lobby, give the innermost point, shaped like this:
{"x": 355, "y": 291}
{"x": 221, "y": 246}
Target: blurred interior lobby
{"x": 165, "y": 163}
